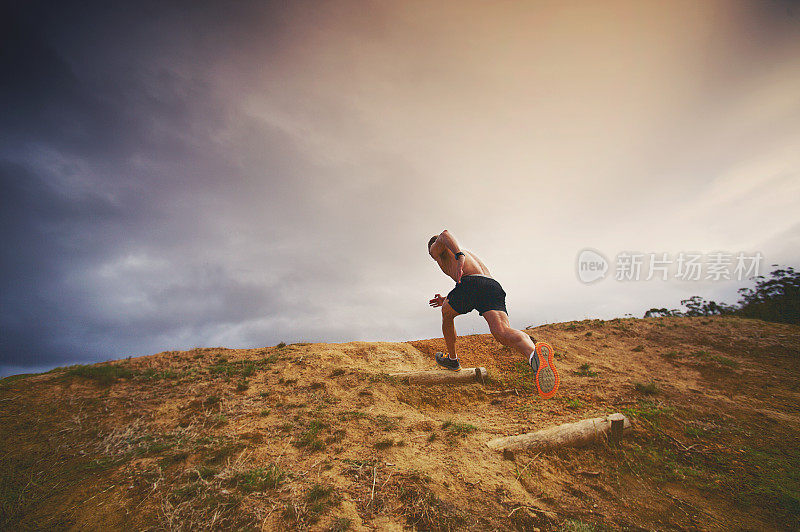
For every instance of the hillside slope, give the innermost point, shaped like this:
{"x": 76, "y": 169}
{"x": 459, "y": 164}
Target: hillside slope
{"x": 316, "y": 436}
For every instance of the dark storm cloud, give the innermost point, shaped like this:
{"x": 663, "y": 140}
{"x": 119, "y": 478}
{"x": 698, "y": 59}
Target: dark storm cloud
{"x": 142, "y": 210}
{"x": 177, "y": 174}
{"x": 105, "y": 156}
{"x": 33, "y": 259}
{"x": 47, "y": 103}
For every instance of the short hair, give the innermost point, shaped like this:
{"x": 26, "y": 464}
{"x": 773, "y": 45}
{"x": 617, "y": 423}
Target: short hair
{"x": 431, "y": 241}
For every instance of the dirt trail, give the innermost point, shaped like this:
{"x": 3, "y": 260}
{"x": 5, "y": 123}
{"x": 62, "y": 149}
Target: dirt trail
{"x": 317, "y": 436}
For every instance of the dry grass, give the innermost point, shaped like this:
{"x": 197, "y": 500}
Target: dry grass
{"x": 406, "y": 493}
{"x": 319, "y": 440}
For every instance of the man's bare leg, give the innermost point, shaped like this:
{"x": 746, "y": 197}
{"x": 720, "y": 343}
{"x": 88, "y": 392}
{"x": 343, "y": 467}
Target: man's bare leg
{"x": 449, "y": 329}
{"x": 507, "y": 335}
{"x": 542, "y": 362}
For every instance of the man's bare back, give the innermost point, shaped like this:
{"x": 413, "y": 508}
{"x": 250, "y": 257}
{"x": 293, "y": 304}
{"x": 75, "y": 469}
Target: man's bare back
{"x": 446, "y": 259}
{"x": 472, "y": 265}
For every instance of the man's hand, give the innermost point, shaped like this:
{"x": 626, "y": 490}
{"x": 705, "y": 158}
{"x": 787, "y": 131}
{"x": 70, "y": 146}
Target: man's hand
{"x": 437, "y": 301}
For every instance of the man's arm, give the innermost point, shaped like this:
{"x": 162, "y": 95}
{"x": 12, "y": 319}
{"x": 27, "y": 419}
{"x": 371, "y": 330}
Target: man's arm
{"x": 447, "y": 241}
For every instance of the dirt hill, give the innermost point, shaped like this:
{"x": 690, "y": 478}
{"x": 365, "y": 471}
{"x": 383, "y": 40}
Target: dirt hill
{"x": 317, "y": 436}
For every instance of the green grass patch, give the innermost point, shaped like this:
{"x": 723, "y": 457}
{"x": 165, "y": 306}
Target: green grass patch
{"x": 6, "y": 381}
{"x": 648, "y": 409}
{"x": 337, "y": 436}
{"x": 585, "y": 370}
{"x": 341, "y": 524}
{"x": 270, "y": 359}
{"x": 187, "y": 491}
{"x": 310, "y": 439}
{"x": 524, "y": 410}
{"x": 99, "y": 464}
{"x": 173, "y": 458}
{"x": 260, "y": 478}
{"x": 385, "y": 422}
{"x": 384, "y": 444}
{"x": 647, "y": 389}
{"x": 698, "y": 432}
{"x": 220, "y": 450}
{"x": 153, "y": 447}
{"x": 317, "y": 492}
{"x": 576, "y": 525}
{"x": 318, "y": 499}
{"x": 218, "y": 420}
{"x": 238, "y": 368}
{"x": 521, "y": 376}
{"x": 725, "y": 361}
{"x": 105, "y": 374}
{"x": 348, "y": 415}
{"x": 771, "y": 479}
{"x": 152, "y": 374}
{"x": 204, "y": 473}
{"x": 574, "y": 403}
{"x": 765, "y": 477}
{"x": 457, "y": 428}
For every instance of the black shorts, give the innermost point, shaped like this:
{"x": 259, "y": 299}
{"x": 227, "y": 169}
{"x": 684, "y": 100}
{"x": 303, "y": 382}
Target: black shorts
{"x": 477, "y": 292}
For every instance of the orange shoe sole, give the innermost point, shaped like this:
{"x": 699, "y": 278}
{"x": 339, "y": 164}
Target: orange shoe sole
{"x": 547, "y": 379}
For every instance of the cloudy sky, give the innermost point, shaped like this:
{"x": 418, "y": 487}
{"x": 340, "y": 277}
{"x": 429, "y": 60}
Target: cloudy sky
{"x": 184, "y": 174}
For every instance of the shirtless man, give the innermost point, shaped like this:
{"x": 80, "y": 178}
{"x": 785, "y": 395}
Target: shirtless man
{"x": 475, "y": 289}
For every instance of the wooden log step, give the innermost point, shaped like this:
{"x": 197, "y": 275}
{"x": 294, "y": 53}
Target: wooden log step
{"x": 432, "y": 377}
{"x": 575, "y": 434}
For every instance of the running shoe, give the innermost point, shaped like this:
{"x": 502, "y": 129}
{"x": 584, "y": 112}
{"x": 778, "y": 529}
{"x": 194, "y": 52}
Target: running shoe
{"x": 541, "y": 361}
{"x": 447, "y": 362}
